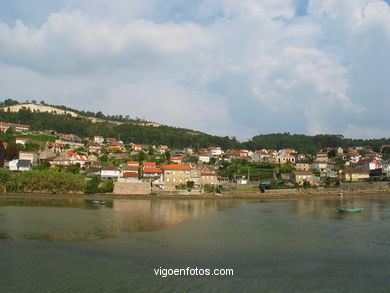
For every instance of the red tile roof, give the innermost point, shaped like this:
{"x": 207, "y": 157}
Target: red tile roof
{"x": 130, "y": 174}
{"x": 152, "y": 170}
{"x": 175, "y": 166}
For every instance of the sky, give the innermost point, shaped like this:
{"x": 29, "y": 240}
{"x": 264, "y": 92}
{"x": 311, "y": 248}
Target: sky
{"x": 225, "y": 67}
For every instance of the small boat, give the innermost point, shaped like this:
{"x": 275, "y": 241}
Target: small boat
{"x": 99, "y": 202}
{"x": 350, "y": 210}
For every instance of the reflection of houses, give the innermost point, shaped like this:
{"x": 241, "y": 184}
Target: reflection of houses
{"x": 354, "y": 174}
{"x": 300, "y": 177}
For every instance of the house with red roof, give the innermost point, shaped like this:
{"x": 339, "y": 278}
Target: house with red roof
{"x": 176, "y": 174}
{"x": 22, "y": 140}
{"x": 110, "y": 172}
{"x": 176, "y": 159}
{"x": 369, "y": 164}
{"x": 153, "y": 174}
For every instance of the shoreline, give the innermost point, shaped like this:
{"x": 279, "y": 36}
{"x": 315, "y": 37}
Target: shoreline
{"x": 309, "y": 194}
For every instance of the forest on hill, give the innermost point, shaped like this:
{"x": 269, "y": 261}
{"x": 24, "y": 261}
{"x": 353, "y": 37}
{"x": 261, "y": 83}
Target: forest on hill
{"x": 173, "y": 136}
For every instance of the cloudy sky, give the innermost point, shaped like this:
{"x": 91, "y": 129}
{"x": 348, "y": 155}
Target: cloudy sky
{"x": 225, "y": 67}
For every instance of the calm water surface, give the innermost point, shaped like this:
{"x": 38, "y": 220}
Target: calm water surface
{"x": 74, "y": 245}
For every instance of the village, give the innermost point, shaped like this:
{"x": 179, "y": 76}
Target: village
{"x": 166, "y": 169}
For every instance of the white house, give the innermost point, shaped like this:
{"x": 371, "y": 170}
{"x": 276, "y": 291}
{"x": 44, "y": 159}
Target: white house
{"x": 204, "y": 158}
{"x": 215, "y": 151}
{"x": 98, "y": 139}
{"x": 22, "y": 141}
{"x": 110, "y": 172}
{"x": 30, "y": 156}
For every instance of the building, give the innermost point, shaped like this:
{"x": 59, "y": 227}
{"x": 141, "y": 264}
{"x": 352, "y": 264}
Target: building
{"x": 322, "y": 156}
{"x": 204, "y": 158}
{"x": 22, "y": 141}
{"x": 98, "y": 139}
{"x": 94, "y": 147}
{"x": 354, "y": 174}
{"x": 129, "y": 169}
{"x": 29, "y": 156}
{"x": 176, "y": 159}
{"x": 176, "y": 174}
{"x": 16, "y": 127}
{"x": 302, "y": 166}
{"x": 133, "y": 164}
{"x": 369, "y": 164}
{"x": 55, "y": 146}
{"x": 20, "y": 165}
{"x": 300, "y": 177}
{"x": 209, "y": 177}
{"x": 149, "y": 165}
{"x": 215, "y": 151}
{"x": 153, "y": 174}
{"x": 110, "y": 172}
{"x": 319, "y": 165}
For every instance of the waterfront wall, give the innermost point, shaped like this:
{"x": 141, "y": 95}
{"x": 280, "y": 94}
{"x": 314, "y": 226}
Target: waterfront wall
{"x": 344, "y": 187}
{"x": 365, "y": 186}
{"x": 132, "y": 188}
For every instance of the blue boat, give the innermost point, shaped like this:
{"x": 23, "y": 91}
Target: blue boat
{"x": 350, "y": 210}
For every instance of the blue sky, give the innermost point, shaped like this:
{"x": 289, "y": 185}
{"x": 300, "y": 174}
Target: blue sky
{"x": 226, "y": 67}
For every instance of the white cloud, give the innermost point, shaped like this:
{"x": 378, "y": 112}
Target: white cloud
{"x": 222, "y": 66}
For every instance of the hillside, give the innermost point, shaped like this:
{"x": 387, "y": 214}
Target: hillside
{"x": 88, "y": 124}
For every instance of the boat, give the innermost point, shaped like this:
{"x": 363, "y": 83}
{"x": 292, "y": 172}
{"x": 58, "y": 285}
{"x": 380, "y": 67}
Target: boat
{"x": 350, "y": 210}
{"x": 99, "y": 202}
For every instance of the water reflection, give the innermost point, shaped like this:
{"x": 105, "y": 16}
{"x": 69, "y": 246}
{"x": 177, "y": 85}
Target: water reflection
{"x": 69, "y": 220}
{"x": 376, "y": 207}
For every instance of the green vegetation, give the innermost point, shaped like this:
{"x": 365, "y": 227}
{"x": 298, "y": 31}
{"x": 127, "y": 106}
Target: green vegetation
{"x": 97, "y": 185}
{"x": 241, "y": 167}
{"x": 44, "y": 181}
{"x": 172, "y": 136}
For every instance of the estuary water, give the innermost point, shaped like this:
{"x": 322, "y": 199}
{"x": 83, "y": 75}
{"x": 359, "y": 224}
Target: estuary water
{"x": 304, "y": 245}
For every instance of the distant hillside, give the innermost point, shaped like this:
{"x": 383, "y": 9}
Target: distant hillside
{"x": 14, "y": 106}
{"x": 125, "y": 131}
{"x": 63, "y": 119}
{"x": 310, "y": 144}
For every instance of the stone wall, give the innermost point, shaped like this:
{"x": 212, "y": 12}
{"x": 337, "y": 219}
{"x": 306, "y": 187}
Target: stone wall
{"x": 132, "y": 188}
{"x": 365, "y": 186}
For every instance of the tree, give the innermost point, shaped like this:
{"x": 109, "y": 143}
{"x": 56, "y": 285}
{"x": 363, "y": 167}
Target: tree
{"x": 2, "y": 154}
{"x": 11, "y": 152}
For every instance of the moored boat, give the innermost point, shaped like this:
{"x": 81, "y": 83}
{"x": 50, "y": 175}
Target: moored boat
{"x": 350, "y": 210}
